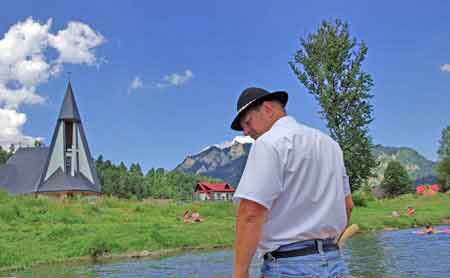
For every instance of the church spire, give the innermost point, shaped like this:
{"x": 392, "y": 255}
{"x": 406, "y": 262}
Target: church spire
{"x": 69, "y": 109}
{"x": 69, "y": 164}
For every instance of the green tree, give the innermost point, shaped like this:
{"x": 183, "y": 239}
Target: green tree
{"x": 38, "y": 143}
{"x": 157, "y": 183}
{"x": 136, "y": 180}
{"x": 4, "y": 155}
{"x": 396, "y": 180}
{"x": 329, "y": 65}
{"x": 12, "y": 149}
{"x": 443, "y": 166}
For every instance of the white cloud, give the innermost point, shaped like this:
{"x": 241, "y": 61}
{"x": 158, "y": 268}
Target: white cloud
{"x": 24, "y": 40}
{"x": 175, "y": 79}
{"x": 13, "y": 98}
{"x": 11, "y": 123}
{"x": 24, "y": 66}
{"x": 75, "y": 43}
{"x": 445, "y": 67}
{"x": 135, "y": 84}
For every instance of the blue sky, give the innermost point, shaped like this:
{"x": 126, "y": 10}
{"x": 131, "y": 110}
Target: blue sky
{"x": 191, "y": 59}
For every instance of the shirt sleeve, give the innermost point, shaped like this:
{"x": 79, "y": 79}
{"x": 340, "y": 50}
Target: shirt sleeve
{"x": 345, "y": 178}
{"x": 347, "y": 190}
{"x": 261, "y": 181}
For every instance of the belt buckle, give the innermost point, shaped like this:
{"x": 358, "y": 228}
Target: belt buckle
{"x": 268, "y": 256}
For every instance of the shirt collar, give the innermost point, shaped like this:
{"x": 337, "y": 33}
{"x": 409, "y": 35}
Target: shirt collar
{"x": 283, "y": 120}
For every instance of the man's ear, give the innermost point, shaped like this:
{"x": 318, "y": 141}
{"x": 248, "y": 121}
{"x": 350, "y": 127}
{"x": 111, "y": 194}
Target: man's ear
{"x": 268, "y": 107}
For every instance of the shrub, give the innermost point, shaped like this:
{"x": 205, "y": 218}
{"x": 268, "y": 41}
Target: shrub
{"x": 93, "y": 209}
{"x": 4, "y": 195}
{"x": 11, "y": 213}
{"x": 99, "y": 246}
{"x": 361, "y": 198}
{"x": 138, "y": 209}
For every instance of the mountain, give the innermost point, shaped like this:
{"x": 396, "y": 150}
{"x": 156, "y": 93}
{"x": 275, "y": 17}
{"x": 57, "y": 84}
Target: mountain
{"x": 420, "y": 169}
{"x": 227, "y": 161}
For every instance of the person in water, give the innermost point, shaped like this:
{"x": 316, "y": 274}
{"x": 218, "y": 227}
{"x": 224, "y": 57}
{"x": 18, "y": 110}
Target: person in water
{"x": 429, "y": 229}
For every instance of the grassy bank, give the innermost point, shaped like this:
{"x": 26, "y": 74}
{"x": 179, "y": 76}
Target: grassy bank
{"x": 46, "y": 230}
{"x": 377, "y": 215}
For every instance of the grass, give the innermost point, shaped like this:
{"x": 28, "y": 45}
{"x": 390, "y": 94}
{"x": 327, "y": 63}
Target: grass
{"x": 43, "y": 230}
{"x": 377, "y": 214}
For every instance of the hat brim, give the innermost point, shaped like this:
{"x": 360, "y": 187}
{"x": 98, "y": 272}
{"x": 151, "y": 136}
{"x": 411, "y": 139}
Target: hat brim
{"x": 278, "y": 95}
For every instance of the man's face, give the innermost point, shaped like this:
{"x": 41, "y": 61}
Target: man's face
{"x": 255, "y": 122}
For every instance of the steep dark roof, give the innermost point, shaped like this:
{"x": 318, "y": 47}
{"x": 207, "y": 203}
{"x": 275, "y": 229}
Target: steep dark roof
{"x": 59, "y": 181}
{"x": 23, "y": 170}
{"x": 22, "y": 174}
{"x": 69, "y": 109}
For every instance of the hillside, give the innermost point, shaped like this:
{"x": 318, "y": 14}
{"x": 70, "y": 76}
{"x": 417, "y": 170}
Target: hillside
{"x": 227, "y": 163}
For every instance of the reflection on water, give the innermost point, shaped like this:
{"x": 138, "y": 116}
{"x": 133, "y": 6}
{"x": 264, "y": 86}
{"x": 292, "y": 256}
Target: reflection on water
{"x": 394, "y": 254}
{"x": 399, "y": 254}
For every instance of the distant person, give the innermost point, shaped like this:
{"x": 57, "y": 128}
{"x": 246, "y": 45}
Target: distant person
{"x": 410, "y": 211}
{"x": 195, "y": 217}
{"x": 187, "y": 217}
{"x": 429, "y": 229}
{"x": 294, "y": 194}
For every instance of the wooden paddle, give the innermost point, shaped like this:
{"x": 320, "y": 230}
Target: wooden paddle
{"x": 348, "y": 232}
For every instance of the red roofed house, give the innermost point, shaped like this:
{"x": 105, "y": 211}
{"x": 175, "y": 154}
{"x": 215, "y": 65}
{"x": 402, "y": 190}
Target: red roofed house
{"x": 213, "y": 191}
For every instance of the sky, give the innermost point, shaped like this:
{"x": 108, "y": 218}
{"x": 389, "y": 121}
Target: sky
{"x": 156, "y": 81}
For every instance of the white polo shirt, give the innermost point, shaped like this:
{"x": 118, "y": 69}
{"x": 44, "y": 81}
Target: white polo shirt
{"x": 298, "y": 174}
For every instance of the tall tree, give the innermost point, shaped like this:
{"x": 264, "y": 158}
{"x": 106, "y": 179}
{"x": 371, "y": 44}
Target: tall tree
{"x": 4, "y": 155}
{"x": 396, "y": 180}
{"x": 38, "y": 143}
{"x": 329, "y": 65}
{"x": 444, "y": 143}
{"x": 443, "y": 167}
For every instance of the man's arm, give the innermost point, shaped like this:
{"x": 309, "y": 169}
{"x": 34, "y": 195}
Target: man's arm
{"x": 348, "y": 206}
{"x": 348, "y": 210}
{"x": 250, "y": 219}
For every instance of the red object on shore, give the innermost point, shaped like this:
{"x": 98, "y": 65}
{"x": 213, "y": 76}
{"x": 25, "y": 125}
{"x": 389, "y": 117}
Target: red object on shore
{"x": 428, "y": 189}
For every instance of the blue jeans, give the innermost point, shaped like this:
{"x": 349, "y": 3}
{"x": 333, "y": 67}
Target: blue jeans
{"x": 322, "y": 264}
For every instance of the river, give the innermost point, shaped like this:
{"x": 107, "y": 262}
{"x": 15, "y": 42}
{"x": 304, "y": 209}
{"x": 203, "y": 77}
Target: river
{"x": 395, "y": 254}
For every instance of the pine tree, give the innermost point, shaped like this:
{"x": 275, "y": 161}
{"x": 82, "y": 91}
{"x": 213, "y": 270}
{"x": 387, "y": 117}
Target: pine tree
{"x": 396, "y": 180}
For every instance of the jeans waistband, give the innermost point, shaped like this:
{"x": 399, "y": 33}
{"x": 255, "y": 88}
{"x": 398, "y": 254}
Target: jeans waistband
{"x": 304, "y": 244}
{"x": 302, "y": 248}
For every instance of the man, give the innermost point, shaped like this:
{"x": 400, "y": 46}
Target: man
{"x": 294, "y": 197}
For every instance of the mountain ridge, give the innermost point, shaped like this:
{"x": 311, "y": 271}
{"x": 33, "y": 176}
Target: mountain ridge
{"x": 227, "y": 163}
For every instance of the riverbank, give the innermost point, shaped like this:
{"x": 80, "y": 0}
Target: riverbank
{"x": 35, "y": 231}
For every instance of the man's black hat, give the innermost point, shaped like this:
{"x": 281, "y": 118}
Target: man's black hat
{"x": 251, "y": 96}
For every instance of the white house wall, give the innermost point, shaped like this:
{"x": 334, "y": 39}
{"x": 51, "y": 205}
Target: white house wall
{"x": 214, "y": 196}
{"x": 222, "y": 196}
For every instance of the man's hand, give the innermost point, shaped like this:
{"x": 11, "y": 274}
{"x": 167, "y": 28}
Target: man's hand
{"x": 249, "y": 222}
{"x": 348, "y": 206}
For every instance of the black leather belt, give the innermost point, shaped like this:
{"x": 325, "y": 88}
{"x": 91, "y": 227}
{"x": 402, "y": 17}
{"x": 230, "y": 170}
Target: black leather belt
{"x": 300, "y": 252}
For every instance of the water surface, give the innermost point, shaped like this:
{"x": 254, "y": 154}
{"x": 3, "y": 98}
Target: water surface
{"x": 395, "y": 254}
